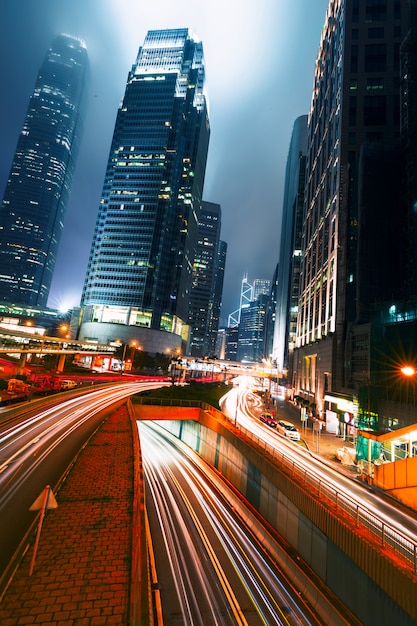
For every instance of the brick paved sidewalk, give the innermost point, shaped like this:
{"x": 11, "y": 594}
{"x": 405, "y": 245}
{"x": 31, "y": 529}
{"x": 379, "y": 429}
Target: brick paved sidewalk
{"x": 82, "y": 570}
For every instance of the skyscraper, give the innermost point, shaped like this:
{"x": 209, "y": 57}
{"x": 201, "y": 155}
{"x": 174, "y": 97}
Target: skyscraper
{"x": 354, "y": 216}
{"x": 252, "y": 326}
{"x": 207, "y": 274}
{"x": 218, "y": 291}
{"x": 261, "y": 287}
{"x": 140, "y": 267}
{"x": 288, "y": 274}
{"x": 37, "y": 192}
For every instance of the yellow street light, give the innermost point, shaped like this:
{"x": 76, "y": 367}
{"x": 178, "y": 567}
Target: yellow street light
{"x": 408, "y": 370}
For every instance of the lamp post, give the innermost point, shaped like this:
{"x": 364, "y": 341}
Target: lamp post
{"x": 409, "y": 371}
{"x": 133, "y": 344}
{"x": 174, "y": 356}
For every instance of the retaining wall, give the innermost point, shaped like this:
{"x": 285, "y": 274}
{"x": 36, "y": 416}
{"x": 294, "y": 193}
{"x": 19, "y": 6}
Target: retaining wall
{"x": 366, "y": 578}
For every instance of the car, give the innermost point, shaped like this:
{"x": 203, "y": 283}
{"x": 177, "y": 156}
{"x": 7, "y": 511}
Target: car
{"x": 268, "y": 419}
{"x": 346, "y": 455}
{"x": 288, "y": 430}
{"x": 68, "y": 384}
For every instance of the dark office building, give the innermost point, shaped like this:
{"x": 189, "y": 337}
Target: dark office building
{"x": 354, "y": 250}
{"x": 207, "y": 282}
{"x": 140, "y": 267}
{"x": 251, "y": 339}
{"x": 408, "y": 55}
{"x": 290, "y": 255}
{"x": 217, "y": 296}
{"x": 231, "y": 343}
{"x": 271, "y": 317}
{"x": 37, "y": 192}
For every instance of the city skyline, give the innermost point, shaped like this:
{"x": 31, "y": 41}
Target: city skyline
{"x": 263, "y": 94}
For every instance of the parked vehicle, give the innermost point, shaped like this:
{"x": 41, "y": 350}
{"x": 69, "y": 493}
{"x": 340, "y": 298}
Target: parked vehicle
{"x": 68, "y": 384}
{"x": 288, "y": 430}
{"x": 17, "y": 391}
{"x": 268, "y": 419}
{"x": 44, "y": 384}
{"x": 15, "y": 385}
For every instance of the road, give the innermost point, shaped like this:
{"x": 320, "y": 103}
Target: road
{"x": 210, "y": 568}
{"x": 372, "y": 508}
{"x": 36, "y": 448}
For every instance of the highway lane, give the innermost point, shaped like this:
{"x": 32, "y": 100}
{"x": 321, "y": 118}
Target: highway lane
{"x": 211, "y": 569}
{"x": 37, "y": 448}
{"x": 374, "y": 504}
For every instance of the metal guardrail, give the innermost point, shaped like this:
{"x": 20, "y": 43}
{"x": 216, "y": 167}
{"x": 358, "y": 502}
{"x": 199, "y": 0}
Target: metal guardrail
{"x": 386, "y": 534}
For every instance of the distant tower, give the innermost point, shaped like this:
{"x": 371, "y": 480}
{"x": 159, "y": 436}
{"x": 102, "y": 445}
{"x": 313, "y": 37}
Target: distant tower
{"x": 204, "y": 300}
{"x": 261, "y": 287}
{"x": 37, "y": 192}
{"x": 288, "y": 275}
{"x": 218, "y": 291}
{"x": 251, "y": 338}
{"x": 245, "y": 300}
{"x": 140, "y": 267}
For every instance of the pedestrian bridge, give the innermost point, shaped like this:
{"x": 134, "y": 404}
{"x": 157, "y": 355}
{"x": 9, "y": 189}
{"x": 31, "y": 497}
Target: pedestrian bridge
{"x": 21, "y": 344}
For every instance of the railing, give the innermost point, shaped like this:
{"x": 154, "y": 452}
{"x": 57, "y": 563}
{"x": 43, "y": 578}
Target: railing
{"x": 386, "y": 534}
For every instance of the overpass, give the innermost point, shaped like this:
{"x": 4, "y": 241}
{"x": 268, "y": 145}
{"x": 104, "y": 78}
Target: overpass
{"x": 22, "y": 344}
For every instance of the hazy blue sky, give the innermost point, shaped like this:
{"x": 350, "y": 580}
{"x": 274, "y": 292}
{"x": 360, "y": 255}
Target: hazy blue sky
{"x": 259, "y": 56}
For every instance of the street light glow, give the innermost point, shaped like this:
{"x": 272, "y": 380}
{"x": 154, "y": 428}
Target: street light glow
{"x": 408, "y": 370}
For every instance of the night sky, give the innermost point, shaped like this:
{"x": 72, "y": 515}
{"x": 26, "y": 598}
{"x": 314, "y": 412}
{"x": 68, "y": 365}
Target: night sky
{"x": 259, "y": 57}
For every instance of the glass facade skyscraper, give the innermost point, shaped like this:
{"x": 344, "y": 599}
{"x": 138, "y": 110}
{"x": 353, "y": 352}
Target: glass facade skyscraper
{"x": 37, "y": 191}
{"x": 207, "y": 282}
{"x": 141, "y": 261}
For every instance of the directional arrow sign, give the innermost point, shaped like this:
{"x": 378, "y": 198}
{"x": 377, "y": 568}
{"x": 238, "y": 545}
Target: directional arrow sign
{"x": 51, "y": 502}
{"x": 46, "y": 500}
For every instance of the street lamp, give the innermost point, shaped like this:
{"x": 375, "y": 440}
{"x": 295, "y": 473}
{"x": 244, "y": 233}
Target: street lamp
{"x": 408, "y": 370}
{"x": 174, "y": 354}
{"x": 133, "y": 344}
{"x": 64, "y": 329}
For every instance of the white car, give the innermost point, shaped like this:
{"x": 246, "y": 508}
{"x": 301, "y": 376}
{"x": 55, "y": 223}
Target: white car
{"x": 68, "y": 384}
{"x": 288, "y": 430}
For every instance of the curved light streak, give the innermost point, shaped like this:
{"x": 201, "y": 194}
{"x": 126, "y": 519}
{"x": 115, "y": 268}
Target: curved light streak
{"x": 375, "y": 503}
{"x": 264, "y": 589}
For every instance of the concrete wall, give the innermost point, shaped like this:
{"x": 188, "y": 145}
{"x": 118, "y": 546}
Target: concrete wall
{"x": 365, "y": 578}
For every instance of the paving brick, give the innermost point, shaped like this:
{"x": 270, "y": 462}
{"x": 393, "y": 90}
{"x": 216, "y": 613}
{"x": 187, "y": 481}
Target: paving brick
{"x": 81, "y": 575}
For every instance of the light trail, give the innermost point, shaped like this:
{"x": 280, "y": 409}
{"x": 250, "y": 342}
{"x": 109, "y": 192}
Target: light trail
{"x": 395, "y": 519}
{"x": 254, "y": 592}
{"x": 25, "y": 445}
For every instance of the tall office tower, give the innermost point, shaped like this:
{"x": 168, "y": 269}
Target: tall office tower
{"x": 251, "y": 337}
{"x": 232, "y": 336}
{"x": 204, "y": 309}
{"x": 37, "y": 192}
{"x": 353, "y": 232}
{"x": 218, "y": 294}
{"x": 270, "y": 317}
{"x": 141, "y": 260}
{"x": 261, "y": 287}
{"x": 288, "y": 276}
{"x": 409, "y": 137}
